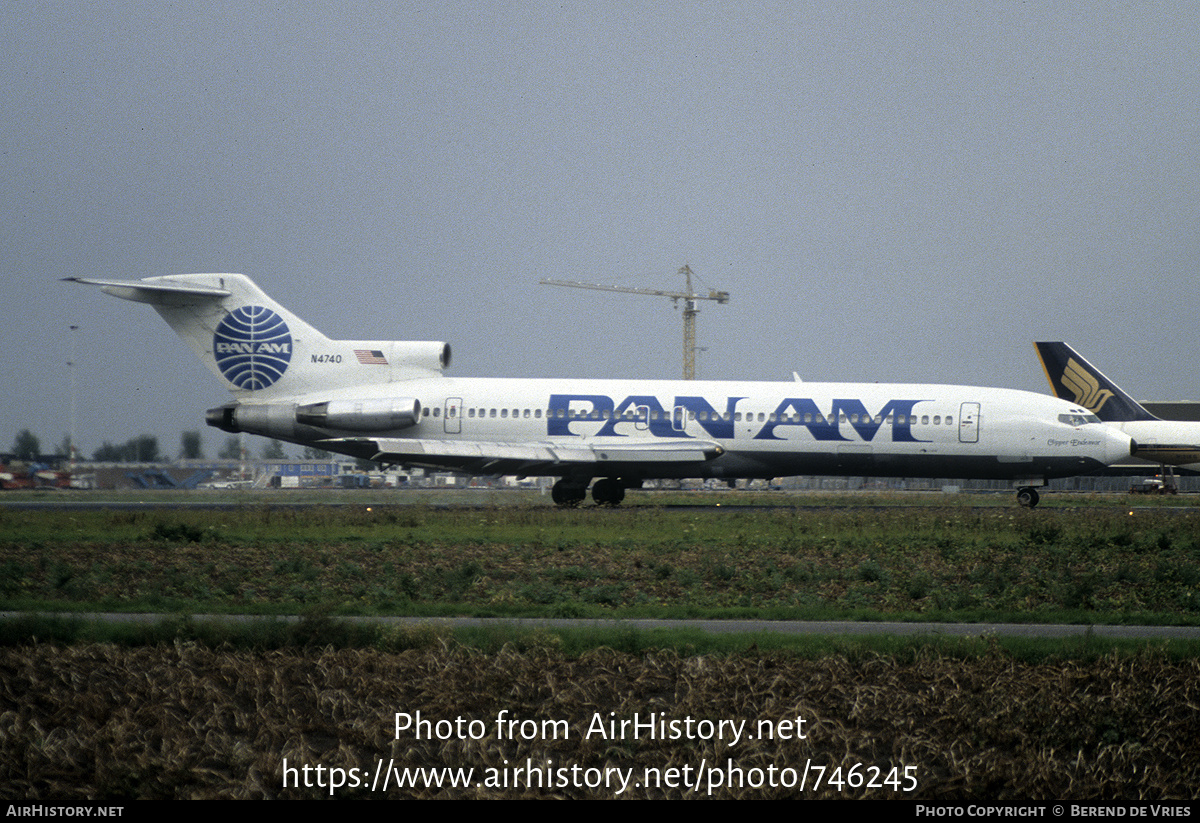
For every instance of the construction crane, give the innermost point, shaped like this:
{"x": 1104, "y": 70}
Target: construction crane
{"x": 689, "y": 298}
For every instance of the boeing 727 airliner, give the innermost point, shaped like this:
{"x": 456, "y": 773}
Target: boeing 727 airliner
{"x": 389, "y": 401}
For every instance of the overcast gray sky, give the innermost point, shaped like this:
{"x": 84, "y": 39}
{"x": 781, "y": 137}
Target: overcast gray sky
{"x": 890, "y": 191}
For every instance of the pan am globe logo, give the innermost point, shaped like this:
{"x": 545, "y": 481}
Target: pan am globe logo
{"x": 253, "y": 347}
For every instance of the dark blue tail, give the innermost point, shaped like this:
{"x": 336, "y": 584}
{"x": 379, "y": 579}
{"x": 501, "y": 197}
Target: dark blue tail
{"x": 1075, "y": 379}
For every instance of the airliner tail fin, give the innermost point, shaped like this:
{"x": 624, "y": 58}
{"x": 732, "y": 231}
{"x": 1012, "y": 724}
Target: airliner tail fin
{"x": 1074, "y": 379}
{"x": 259, "y": 348}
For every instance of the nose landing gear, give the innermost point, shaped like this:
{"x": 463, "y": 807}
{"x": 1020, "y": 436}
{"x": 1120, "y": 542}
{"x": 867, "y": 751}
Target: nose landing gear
{"x": 1027, "y": 497}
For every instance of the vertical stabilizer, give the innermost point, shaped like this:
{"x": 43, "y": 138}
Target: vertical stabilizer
{"x": 1075, "y": 379}
{"x": 260, "y": 349}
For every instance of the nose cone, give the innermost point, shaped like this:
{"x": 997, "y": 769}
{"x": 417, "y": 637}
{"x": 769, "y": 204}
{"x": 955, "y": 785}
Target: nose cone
{"x": 1117, "y": 445}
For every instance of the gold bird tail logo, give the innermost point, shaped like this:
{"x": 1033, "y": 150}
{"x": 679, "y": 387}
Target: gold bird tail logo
{"x": 1084, "y": 385}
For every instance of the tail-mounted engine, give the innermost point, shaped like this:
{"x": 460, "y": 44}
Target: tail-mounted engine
{"x": 382, "y": 414}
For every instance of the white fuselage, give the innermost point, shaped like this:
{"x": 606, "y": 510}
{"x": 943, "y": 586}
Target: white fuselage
{"x": 762, "y": 429}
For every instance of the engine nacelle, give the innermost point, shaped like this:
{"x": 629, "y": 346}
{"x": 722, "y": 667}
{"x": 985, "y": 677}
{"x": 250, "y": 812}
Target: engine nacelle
{"x": 223, "y": 418}
{"x": 376, "y": 414}
{"x": 424, "y": 354}
{"x": 268, "y": 419}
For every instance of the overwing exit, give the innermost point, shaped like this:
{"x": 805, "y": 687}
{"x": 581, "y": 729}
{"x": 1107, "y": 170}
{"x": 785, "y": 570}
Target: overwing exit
{"x": 391, "y": 401}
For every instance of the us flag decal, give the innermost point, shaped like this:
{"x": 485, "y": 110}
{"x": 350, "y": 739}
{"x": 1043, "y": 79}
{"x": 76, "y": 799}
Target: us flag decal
{"x": 369, "y": 357}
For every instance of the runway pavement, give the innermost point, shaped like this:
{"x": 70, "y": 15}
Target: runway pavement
{"x": 794, "y": 627}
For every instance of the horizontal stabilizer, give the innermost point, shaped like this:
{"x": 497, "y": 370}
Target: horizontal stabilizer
{"x": 517, "y": 458}
{"x": 144, "y": 291}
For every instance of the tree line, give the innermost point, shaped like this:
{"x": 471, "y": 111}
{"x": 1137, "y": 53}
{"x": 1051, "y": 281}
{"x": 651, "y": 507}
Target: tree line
{"x": 145, "y": 449}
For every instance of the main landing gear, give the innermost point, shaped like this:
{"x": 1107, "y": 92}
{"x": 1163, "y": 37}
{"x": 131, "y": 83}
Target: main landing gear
{"x": 607, "y": 491}
{"x": 1027, "y": 497}
{"x": 568, "y": 494}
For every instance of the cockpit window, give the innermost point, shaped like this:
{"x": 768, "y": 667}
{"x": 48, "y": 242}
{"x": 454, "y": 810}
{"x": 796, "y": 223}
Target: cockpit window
{"x": 1078, "y": 419}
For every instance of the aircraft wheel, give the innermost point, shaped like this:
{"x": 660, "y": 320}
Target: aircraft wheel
{"x": 567, "y": 495}
{"x": 608, "y": 491}
{"x": 1027, "y": 498}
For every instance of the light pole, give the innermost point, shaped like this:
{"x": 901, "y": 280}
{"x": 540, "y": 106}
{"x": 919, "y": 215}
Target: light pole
{"x": 71, "y": 368}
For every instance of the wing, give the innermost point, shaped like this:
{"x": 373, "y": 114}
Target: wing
{"x": 540, "y": 457}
